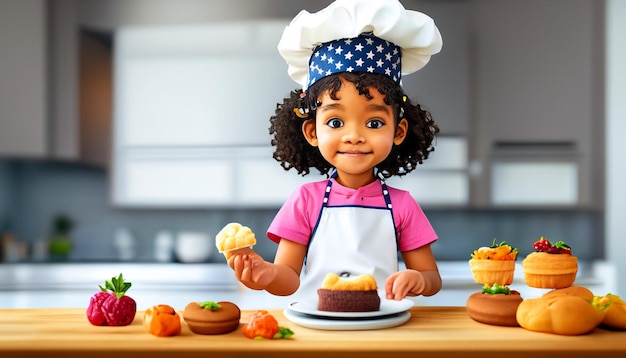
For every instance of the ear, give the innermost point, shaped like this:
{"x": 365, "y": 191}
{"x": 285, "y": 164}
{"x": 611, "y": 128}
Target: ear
{"x": 401, "y": 131}
{"x": 308, "y": 129}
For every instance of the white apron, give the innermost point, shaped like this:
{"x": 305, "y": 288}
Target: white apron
{"x": 351, "y": 240}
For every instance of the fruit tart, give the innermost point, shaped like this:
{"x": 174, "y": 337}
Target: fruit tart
{"x": 550, "y": 266}
{"x": 494, "y": 264}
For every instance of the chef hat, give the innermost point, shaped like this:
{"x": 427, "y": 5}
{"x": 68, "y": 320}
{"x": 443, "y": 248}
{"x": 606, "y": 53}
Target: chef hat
{"x": 378, "y": 36}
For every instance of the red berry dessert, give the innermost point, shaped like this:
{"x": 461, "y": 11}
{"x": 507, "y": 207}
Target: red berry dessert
{"x": 111, "y": 306}
{"x": 550, "y": 266}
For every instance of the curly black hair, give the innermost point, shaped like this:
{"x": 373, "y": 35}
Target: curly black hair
{"x": 293, "y": 150}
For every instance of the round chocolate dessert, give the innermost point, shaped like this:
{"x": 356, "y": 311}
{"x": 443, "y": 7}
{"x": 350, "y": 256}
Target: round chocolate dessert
{"x": 348, "y": 301}
{"x": 348, "y": 294}
{"x": 494, "y": 309}
{"x": 212, "y": 317}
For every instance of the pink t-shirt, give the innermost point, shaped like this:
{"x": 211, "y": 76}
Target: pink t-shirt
{"x": 298, "y": 216}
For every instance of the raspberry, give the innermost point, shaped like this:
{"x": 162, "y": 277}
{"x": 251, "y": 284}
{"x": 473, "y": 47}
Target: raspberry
{"x": 111, "y": 306}
{"x": 543, "y": 245}
{"x": 119, "y": 311}
{"x": 94, "y": 310}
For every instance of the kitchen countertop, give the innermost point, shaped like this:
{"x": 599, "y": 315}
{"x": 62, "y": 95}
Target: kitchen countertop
{"x": 70, "y": 284}
{"x": 433, "y": 331}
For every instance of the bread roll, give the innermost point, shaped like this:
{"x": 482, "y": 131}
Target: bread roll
{"x": 559, "y": 314}
{"x": 579, "y": 291}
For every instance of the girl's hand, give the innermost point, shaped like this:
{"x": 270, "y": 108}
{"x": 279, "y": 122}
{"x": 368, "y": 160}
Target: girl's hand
{"x": 252, "y": 270}
{"x": 404, "y": 283}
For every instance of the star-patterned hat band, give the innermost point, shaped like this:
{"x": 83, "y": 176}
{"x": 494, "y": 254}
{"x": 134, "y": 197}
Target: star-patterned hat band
{"x": 365, "y": 53}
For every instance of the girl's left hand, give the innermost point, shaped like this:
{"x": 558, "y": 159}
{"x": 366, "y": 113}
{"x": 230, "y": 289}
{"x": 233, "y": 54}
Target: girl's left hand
{"x": 404, "y": 283}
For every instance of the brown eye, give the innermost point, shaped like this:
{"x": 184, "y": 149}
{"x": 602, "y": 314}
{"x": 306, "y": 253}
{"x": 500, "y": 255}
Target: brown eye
{"x": 375, "y": 123}
{"x": 334, "y": 123}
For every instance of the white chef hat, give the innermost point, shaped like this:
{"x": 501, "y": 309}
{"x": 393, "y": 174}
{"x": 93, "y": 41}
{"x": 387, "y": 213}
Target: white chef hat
{"x": 313, "y": 43}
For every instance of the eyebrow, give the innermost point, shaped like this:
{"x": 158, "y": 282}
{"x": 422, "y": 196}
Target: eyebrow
{"x": 371, "y": 106}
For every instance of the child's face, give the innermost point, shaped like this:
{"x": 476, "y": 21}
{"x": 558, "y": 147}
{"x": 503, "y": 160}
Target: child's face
{"x": 354, "y": 133}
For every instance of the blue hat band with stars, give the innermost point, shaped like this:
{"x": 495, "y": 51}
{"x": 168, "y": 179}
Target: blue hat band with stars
{"x": 365, "y": 53}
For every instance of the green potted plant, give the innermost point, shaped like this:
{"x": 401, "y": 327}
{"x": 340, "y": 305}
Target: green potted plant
{"x": 60, "y": 240}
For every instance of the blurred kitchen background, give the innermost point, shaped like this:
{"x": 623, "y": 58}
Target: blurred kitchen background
{"x": 132, "y": 131}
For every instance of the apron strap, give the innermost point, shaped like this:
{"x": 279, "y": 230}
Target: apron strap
{"x": 385, "y": 190}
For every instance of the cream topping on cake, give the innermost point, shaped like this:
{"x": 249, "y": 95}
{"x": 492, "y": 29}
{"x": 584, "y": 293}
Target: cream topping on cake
{"x": 365, "y": 282}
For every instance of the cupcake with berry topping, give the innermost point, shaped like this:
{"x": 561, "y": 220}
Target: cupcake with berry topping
{"x": 494, "y": 264}
{"x": 550, "y": 266}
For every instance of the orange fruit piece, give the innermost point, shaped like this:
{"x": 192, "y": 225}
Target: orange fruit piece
{"x": 162, "y": 321}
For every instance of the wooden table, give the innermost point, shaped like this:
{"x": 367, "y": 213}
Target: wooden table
{"x": 431, "y": 331}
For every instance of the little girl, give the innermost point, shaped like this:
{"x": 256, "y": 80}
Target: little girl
{"x": 353, "y": 122}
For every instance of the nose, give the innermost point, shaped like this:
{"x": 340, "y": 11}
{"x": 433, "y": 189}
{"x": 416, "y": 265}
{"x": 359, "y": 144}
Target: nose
{"x": 352, "y": 134}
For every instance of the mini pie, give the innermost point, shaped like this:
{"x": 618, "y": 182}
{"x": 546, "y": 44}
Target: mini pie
{"x": 494, "y": 264}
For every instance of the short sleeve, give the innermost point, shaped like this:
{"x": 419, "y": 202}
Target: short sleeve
{"x": 413, "y": 228}
{"x": 296, "y": 219}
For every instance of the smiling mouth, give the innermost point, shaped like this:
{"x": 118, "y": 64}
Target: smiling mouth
{"x": 354, "y": 153}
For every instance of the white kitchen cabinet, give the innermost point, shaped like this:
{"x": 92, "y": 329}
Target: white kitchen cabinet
{"x": 192, "y": 115}
{"x": 443, "y": 179}
{"x": 204, "y": 177}
{"x": 23, "y": 81}
{"x": 182, "y": 86}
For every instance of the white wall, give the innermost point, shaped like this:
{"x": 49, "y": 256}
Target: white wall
{"x": 615, "y": 143}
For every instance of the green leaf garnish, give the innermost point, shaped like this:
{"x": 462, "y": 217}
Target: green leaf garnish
{"x": 116, "y": 285}
{"x": 283, "y": 333}
{"x": 561, "y": 245}
{"x": 210, "y": 305}
{"x": 496, "y": 289}
{"x": 494, "y": 245}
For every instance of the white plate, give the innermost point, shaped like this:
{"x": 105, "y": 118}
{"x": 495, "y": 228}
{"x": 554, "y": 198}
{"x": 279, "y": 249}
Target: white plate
{"x": 387, "y": 307}
{"x": 308, "y": 321}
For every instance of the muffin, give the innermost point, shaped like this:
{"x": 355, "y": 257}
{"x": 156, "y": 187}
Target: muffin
{"x": 348, "y": 294}
{"x": 550, "y": 266}
{"x": 494, "y": 264}
{"x": 233, "y": 239}
{"x": 495, "y": 305}
{"x": 212, "y": 317}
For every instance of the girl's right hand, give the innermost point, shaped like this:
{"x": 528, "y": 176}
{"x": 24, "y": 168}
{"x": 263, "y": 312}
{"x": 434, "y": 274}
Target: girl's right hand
{"x": 252, "y": 270}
